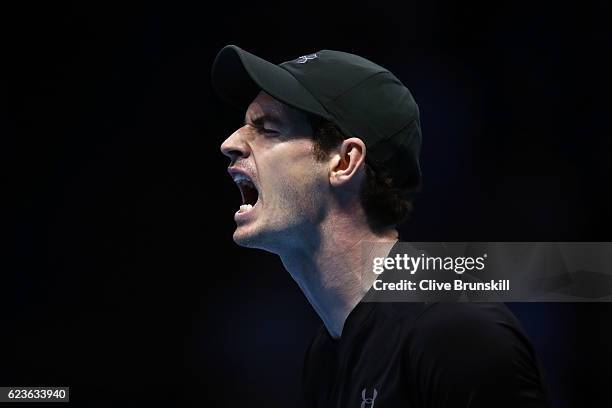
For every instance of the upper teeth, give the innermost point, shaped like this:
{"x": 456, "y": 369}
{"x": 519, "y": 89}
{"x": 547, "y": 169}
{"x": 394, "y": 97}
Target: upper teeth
{"x": 245, "y": 207}
{"x": 241, "y": 177}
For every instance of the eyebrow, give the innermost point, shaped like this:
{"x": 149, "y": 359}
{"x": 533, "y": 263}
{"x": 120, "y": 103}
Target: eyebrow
{"x": 261, "y": 119}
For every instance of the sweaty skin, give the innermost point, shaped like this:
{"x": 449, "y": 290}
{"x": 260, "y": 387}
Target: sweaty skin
{"x": 308, "y": 210}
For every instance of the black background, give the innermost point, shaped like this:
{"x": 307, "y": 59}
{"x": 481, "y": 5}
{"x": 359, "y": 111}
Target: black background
{"x": 119, "y": 275}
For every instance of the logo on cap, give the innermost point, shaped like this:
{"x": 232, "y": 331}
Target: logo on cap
{"x": 305, "y": 58}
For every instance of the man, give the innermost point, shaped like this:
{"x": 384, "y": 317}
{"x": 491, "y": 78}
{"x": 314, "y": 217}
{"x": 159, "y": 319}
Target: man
{"x": 326, "y": 163}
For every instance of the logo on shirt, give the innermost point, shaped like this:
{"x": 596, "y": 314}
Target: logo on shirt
{"x": 305, "y": 58}
{"x": 368, "y": 402}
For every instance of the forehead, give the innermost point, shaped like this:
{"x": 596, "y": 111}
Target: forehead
{"x": 267, "y": 106}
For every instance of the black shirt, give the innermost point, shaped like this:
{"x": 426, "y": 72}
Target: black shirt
{"x": 425, "y": 355}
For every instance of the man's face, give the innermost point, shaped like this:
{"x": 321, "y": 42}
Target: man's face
{"x": 284, "y": 188}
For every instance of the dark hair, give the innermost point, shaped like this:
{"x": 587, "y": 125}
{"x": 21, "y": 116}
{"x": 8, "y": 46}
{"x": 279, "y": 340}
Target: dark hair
{"x": 385, "y": 205}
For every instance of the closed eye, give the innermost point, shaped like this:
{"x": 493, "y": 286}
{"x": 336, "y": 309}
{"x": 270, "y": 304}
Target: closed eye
{"x": 268, "y": 132}
{"x": 259, "y": 124}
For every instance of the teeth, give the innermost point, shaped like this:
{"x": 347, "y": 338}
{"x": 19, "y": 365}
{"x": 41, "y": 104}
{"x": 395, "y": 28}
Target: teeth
{"x": 245, "y": 207}
{"x": 241, "y": 177}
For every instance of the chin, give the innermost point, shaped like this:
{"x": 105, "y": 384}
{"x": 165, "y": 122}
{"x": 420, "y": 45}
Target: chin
{"x": 244, "y": 240}
{"x": 248, "y": 238}
{"x": 256, "y": 239}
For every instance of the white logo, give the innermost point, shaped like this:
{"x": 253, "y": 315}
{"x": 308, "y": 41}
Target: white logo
{"x": 368, "y": 402}
{"x": 305, "y": 58}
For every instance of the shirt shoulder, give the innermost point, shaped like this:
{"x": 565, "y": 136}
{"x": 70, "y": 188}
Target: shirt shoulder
{"x": 473, "y": 354}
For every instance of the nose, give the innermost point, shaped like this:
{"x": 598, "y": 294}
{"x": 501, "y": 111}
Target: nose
{"x": 235, "y": 146}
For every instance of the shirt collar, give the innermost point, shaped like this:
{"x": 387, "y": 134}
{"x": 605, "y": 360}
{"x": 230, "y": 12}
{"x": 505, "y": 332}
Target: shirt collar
{"x": 362, "y": 312}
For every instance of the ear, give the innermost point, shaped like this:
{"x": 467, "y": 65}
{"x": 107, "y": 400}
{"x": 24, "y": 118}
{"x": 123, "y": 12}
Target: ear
{"x": 347, "y": 164}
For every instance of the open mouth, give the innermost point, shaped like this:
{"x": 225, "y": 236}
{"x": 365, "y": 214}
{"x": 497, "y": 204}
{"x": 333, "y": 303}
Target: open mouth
{"x": 248, "y": 191}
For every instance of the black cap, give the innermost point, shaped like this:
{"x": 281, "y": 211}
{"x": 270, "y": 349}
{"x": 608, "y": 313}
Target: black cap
{"x": 363, "y": 99}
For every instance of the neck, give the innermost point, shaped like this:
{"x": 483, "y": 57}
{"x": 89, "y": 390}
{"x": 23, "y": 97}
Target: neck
{"x": 330, "y": 271}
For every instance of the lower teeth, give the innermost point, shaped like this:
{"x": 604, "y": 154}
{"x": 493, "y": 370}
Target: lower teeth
{"x": 245, "y": 207}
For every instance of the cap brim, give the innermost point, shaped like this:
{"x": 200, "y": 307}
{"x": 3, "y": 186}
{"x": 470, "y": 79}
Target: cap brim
{"x": 238, "y": 76}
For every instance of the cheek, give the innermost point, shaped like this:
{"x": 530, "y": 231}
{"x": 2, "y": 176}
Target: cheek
{"x": 296, "y": 177}
{"x": 306, "y": 197}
